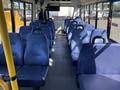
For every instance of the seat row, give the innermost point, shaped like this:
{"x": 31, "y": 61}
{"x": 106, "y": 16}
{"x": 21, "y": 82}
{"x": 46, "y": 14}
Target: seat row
{"x": 31, "y": 52}
{"x": 79, "y": 33}
{"x": 97, "y": 66}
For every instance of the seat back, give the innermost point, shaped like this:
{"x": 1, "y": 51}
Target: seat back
{"x": 25, "y": 31}
{"x": 51, "y": 25}
{"x": 35, "y": 24}
{"x": 76, "y": 41}
{"x": 68, "y": 25}
{"x": 99, "y": 32}
{"x": 66, "y": 22}
{"x": 36, "y": 52}
{"x": 72, "y": 27}
{"x": 47, "y": 31}
{"x": 17, "y": 50}
{"x": 89, "y": 28}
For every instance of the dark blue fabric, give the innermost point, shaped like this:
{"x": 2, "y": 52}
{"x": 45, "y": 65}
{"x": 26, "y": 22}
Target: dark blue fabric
{"x": 72, "y": 26}
{"x": 32, "y": 76}
{"x": 66, "y": 22}
{"x": 52, "y": 28}
{"x": 46, "y": 30}
{"x": 4, "y": 70}
{"x": 24, "y": 31}
{"x": 68, "y": 25}
{"x": 36, "y": 52}
{"x": 2, "y": 57}
{"x": 99, "y": 59}
{"x": 35, "y": 24}
{"x": 76, "y": 34}
{"x": 17, "y": 49}
{"x": 99, "y": 67}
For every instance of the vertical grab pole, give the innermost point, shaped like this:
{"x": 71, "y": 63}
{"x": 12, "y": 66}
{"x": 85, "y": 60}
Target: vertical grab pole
{"x": 7, "y": 49}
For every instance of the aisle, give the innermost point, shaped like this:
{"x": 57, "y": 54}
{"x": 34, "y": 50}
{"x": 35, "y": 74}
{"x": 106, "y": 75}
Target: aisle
{"x": 61, "y": 75}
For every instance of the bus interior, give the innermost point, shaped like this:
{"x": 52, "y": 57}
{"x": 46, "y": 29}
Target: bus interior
{"x": 59, "y": 44}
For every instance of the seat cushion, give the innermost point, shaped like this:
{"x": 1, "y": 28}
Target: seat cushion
{"x": 32, "y": 76}
{"x": 4, "y": 70}
{"x": 97, "y": 82}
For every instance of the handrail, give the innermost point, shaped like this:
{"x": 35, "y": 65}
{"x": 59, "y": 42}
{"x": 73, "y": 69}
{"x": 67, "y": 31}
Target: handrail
{"x": 7, "y": 49}
{"x": 3, "y": 85}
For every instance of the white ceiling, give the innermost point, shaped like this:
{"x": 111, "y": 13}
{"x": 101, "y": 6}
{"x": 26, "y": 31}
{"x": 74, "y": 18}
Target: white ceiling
{"x": 90, "y": 1}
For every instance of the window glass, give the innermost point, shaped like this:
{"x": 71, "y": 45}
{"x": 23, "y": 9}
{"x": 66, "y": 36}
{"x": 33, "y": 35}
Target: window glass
{"x": 60, "y": 16}
{"x": 28, "y": 13}
{"x": 92, "y": 14}
{"x": 16, "y": 5}
{"x": 86, "y": 13}
{"x": 18, "y": 14}
{"x": 103, "y": 12}
{"x": 82, "y": 13}
{"x": 115, "y": 25}
{"x": 7, "y": 5}
{"x": 76, "y": 12}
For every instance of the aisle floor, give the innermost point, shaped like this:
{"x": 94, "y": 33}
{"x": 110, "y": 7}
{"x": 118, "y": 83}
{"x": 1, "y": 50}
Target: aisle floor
{"x": 61, "y": 75}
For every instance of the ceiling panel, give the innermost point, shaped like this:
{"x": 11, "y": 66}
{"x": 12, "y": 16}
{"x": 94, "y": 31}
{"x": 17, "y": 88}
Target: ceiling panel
{"x": 91, "y": 1}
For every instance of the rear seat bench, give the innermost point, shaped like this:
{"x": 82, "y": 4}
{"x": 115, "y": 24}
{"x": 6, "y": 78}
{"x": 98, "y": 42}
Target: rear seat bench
{"x": 99, "y": 67}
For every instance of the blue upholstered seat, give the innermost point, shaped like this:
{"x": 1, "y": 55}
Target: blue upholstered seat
{"x": 17, "y": 51}
{"x": 32, "y": 76}
{"x": 36, "y": 52}
{"x": 99, "y": 67}
{"x": 36, "y": 61}
{"x": 24, "y": 32}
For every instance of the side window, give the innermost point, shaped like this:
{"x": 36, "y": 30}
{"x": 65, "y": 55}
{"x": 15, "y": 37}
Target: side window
{"x": 7, "y": 8}
{"x": 103, "y": 12}
{"x": 28, "y": 13}
{"x": 18, "y": 12}
{"x": 92, "y": 14}
{"x": 115, "y": 25}
{"x": 86, "y": 13}
{"x": 82, "y": 13}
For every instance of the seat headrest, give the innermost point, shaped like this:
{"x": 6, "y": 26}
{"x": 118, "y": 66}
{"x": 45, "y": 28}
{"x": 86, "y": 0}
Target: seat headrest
{"x": 80, "y": 27}
{"x": 37, "y": 30}
{"x": 25, "y": 29}
{"x": 99, "y": 34}
{"x": 98, "y": 39}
